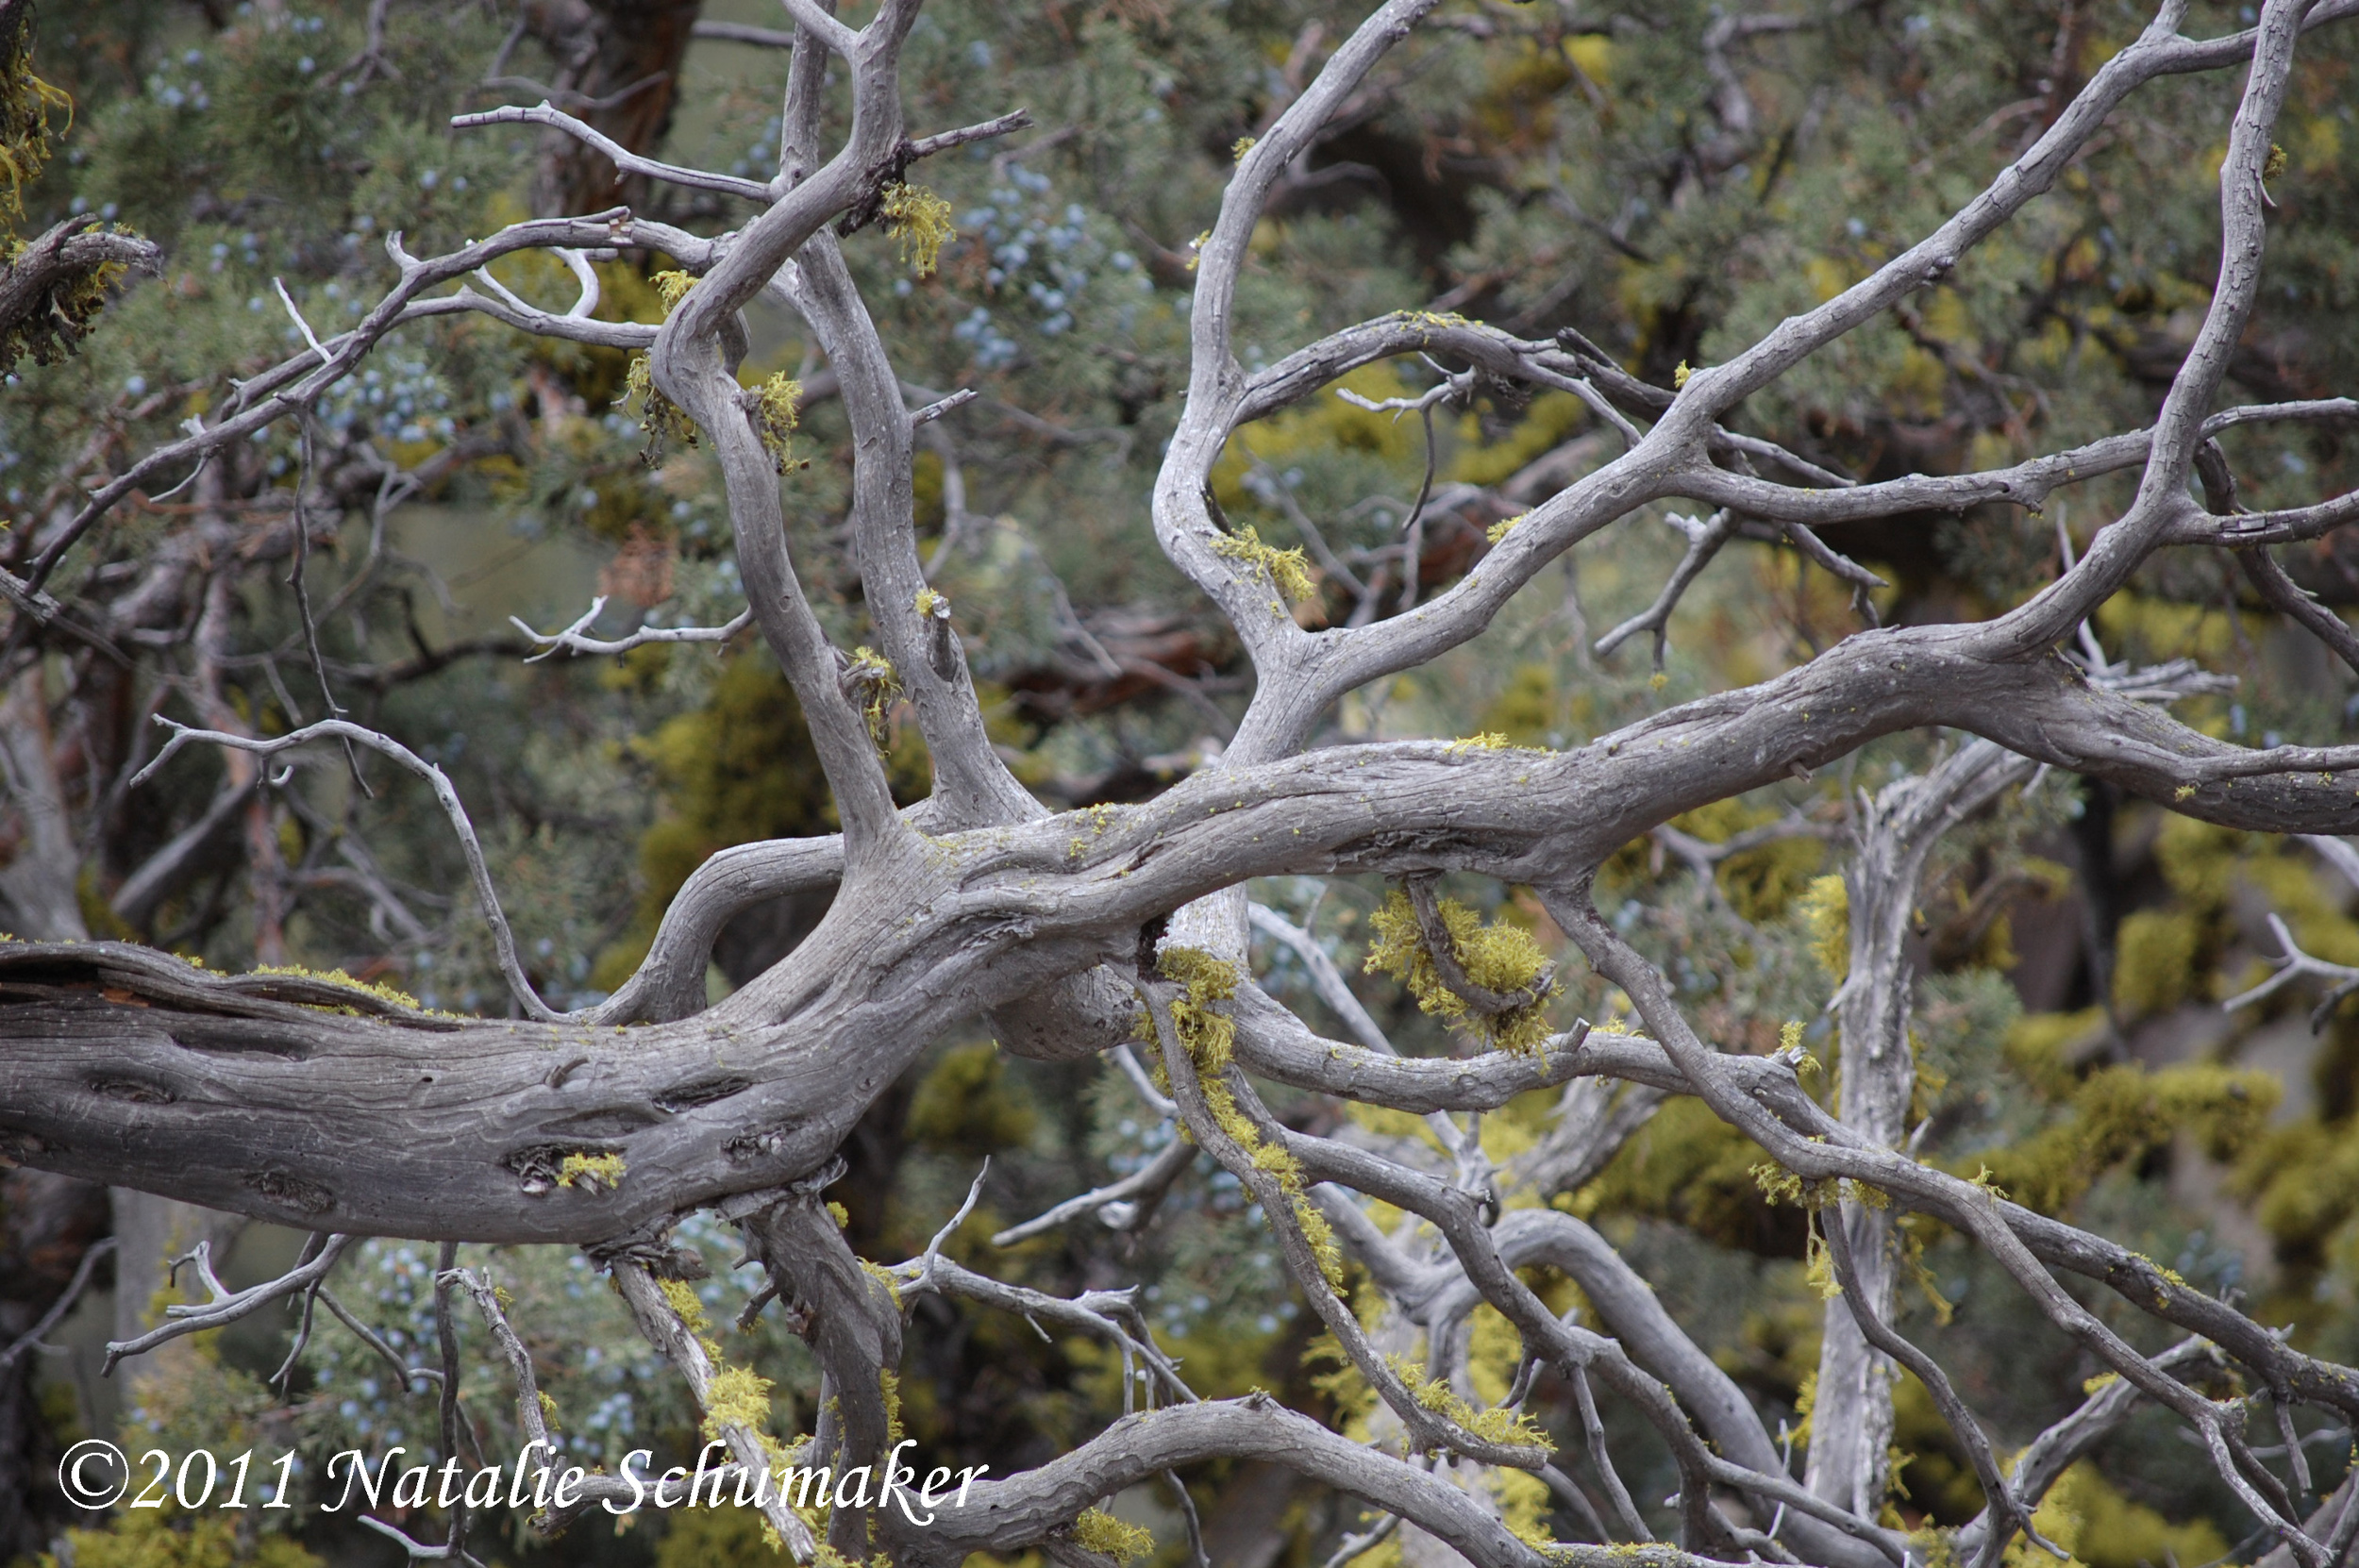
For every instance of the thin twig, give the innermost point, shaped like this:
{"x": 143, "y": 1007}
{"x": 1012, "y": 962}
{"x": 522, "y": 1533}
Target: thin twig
{"x": 226, "y": 1306}
{"x": 572, "y": 641}
{"x": 30, "y": 1338}
{"x": 488, "y": 896}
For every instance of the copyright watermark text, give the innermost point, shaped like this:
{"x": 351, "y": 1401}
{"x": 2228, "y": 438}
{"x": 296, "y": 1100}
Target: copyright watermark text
{"x": 94, "y": 1474}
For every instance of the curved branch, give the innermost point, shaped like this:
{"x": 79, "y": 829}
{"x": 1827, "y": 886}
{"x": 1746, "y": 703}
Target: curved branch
{"x": 2056, "y": 1450}
{"x": 503, "y": 940}
{"x": 691, "y": 366}
{"x": 228, "y": 1306}
{"x": 1705, "y": 537}
{"x": 2008, "y": 1513}
{"x": 572, "y": 641}
{"x": 972, "y": 784}
{"x": 1456, "y": 1215}
{"x": 2162, "y": 500}
{"x": 30, "y": 1340}
{"x": 1442, "y": 948}
{"x": 544, "y": 113}
{"x": 1142, "y": 1185}
{"x": 1002, "y": 1515}
{"x": 2285, "y": 595}
{"x": 661, "y": 1325}
{"x": 2000, "y": 1229}
{"x": 295, "y": 382}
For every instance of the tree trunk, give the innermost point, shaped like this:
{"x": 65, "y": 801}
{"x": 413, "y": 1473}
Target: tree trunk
{"x": 618, "y": 69}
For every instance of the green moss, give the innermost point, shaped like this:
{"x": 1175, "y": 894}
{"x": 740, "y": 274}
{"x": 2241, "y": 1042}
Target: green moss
{"x": 1499, "y": 957}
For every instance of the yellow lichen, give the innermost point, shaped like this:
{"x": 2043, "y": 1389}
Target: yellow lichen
{"x": 1496, "y": 1425}
{"x": 884, "y": 1276}
{"x": 1679, "y": 376}
{"x": 665, "y": 421}
{"x": 921, "y": 220}
{"x": 1430, "y": 318}
{"x": 926, "y": 601}
{"x": 1210, "y": 1036}
{"x": 737, "y": 1397}
{"x": 1102, "y": 1532}
{"x": 776, "y": 407}
{"x": 685, "y": 1304}
{"x": 592, "y": 1172}
{"x": 1504, "y": 526}
{"x": 1243, "y": 146}
{"x": 1499, "y": 957}
{"x": 1818, "y": 1266}
{"x": 874, "y": 670}
{"x": 338, "y": 977}
{"x": 1489, "y": 739}
{"x": 1780, "y": 1184}
{"x": 1289, "y": 569}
